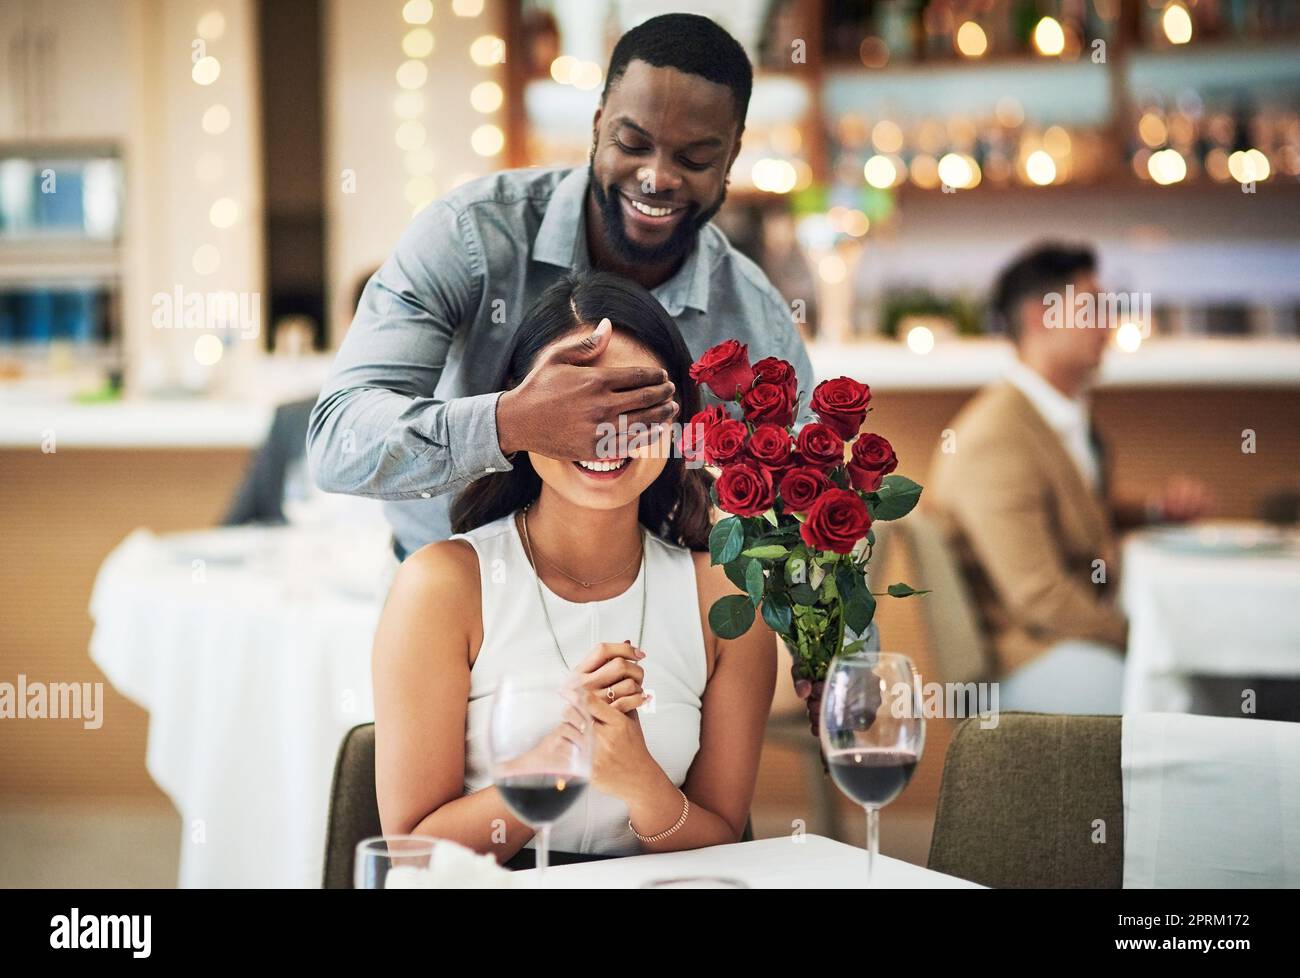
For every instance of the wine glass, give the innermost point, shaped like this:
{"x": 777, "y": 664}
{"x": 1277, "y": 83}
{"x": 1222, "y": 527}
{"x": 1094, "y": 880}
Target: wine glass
{"x": 539, "y": 751}
{"x": 872, "y": 731}
{"x": 391, "y": 862}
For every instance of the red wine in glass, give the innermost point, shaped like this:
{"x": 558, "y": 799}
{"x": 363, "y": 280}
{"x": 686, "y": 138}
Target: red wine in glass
{"x": 540, "y": 799}
{"x": 872, "y": 731}
{"x": 873, "y": 777}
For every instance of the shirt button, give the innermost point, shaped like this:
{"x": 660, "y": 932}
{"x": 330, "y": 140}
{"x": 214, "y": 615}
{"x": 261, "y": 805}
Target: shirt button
{"x": 425, "y": 495}
{"x": 490, "y": 468}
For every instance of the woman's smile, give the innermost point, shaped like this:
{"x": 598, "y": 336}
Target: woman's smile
{"x": 604, "y": 470}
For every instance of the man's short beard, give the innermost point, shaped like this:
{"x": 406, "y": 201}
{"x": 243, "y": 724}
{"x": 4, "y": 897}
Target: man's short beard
{"x": 679, "y": 243}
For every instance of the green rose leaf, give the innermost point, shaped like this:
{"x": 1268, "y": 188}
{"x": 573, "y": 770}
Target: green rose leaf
{"x": 735, "y": 571}
{"x": 768, "y": 552}
{"x": 730, "y": 617}
{"x": 777, "y": 612}
{"x": 903, "y": 591}
{"x": 802, "y": 594}
{"x": 897, "y": 497}
{"x": 754, "y": 581}
{"x": 726, "y": 540}
{"x": 860, "y": 610}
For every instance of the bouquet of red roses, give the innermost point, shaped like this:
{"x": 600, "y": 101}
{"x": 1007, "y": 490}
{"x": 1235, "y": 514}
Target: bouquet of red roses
{"x": 799, "y": 535}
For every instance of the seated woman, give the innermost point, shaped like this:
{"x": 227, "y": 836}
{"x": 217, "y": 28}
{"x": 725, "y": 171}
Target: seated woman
{"x": 548, "y": 558}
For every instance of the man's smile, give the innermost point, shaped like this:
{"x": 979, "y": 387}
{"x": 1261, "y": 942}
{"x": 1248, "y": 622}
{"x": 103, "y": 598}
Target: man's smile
{"x": 649, "y": 216}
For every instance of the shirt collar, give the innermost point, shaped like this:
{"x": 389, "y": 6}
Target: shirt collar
{"x": 561, "y": 240}
{"x": 1060, "y": 412}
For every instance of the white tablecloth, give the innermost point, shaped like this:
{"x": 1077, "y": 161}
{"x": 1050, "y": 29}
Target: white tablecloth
{"x": 802, "y": 862}
{"x": 1199, "y": 613}
{"x": 1210, "y": 802}
{"x": 250, "y": 648}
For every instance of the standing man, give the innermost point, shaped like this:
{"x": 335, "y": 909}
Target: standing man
{"x": 409, "y": 413}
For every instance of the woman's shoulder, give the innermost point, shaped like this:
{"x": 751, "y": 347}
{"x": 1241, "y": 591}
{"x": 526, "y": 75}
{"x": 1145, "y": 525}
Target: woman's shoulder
{"x": 446, "y": 568}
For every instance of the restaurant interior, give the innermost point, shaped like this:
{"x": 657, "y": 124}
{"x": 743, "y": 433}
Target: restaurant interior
{"x": 194, "y": 193}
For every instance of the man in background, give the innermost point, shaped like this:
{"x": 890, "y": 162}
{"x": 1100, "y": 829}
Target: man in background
{"x": 1020, "y": 491}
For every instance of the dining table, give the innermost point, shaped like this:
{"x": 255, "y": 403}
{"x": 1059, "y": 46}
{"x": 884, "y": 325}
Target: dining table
{"x": 800, "y": 861}
{"x": 249, "y": 647}
{"x": 1208, "y": 602}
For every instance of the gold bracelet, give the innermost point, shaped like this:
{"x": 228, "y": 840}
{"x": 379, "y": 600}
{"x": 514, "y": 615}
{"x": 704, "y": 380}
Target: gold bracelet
{"x": 686, "y": 810}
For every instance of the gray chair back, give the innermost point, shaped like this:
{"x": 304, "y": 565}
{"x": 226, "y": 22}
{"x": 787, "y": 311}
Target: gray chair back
{"x": 354, "y": 806}
{"x": 961, "y": 649}
{"x": 1037, "y": 801}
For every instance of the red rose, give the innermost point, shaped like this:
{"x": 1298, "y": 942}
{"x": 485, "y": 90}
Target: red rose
{"x": 842, "y": 404}
{"x": 692, "y": 440}
{"x": 768, "y": 404}
{"x": 836, "y": 522}
{"x": 819, "y": 446}
{"x": 745, "y": 489}
{"x": 872, "y": 459}
{"x": 800, "y": 488}
{"x": 770, "y": 445}
{"x": 725, "y": 368}
{"x": 771, "y": 370}
{"x": 725, "y": 442}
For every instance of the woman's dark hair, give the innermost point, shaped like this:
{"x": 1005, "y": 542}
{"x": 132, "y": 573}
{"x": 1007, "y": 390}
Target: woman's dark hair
{"x": 676, "y": 505}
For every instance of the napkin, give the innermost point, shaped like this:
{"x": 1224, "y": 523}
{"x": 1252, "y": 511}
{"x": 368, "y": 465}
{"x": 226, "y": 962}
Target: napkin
{"x": 451, "y": 867}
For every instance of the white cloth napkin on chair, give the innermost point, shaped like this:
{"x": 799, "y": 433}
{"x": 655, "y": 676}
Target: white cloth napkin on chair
{"x": 1210, "y": 801}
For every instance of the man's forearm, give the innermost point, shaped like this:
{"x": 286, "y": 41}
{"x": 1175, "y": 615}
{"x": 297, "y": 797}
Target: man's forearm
{"x": 381, "y": 444}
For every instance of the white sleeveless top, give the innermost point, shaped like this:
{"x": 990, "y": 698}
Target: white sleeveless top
{"x": 516, "y": 641}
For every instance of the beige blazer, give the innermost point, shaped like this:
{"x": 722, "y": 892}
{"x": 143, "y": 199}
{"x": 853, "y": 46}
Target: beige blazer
{"x": 1025, "y": 528}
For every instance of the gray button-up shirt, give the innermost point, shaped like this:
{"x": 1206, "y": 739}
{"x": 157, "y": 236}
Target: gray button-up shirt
{"x": 408, "y": 413}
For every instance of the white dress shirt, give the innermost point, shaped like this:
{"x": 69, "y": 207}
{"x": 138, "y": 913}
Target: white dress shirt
{"x": 1068, "y": 417}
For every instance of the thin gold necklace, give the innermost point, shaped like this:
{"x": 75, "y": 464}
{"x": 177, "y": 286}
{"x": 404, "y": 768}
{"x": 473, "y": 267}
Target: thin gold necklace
{"x": 645, "y": 589}
{"x": 577, "y": 580}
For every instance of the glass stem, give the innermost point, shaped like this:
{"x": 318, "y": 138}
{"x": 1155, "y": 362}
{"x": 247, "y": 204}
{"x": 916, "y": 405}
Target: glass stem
{"x": 543, "y": 851}
{"x": 873, "y": 841}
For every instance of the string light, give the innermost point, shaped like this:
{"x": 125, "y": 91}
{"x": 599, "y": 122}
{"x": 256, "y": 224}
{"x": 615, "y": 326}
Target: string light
{"x": 1177, "y": 24}
{"x": 487, "y": 140}
{"x": 486, "y": 97}
{"x": 1167, "y": 166}
{"x": 971, "y": 40}
{"x": 206, "y": 70}
{"x": 223, "y": 213}
{"x": 417, "y": 11}
{"x": 1049, "y": 38}
{"x": 487, "y": 50}
{"x": 1040, "y": 168}
{"x": 880, "y": 172}
{"x": 418, "y": 43}
{"x": 920, "y": 340}
{"x": 1248, "y": 166}
{"x": 216, "y": 120}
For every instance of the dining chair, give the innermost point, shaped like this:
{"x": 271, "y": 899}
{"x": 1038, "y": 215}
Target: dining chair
{"x": 961, "y": 649}
{"x": 354, "y": 807}
{"x": 1036, "y": 801}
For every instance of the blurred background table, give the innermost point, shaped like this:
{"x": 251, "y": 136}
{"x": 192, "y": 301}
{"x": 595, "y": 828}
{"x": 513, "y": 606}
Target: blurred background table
{"x": 250, "y": 649}
{"x": 1214, "y": 610}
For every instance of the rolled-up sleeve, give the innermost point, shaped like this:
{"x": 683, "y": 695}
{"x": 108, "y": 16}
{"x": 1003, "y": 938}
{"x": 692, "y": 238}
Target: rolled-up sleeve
{"x": 377, "y": 429}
